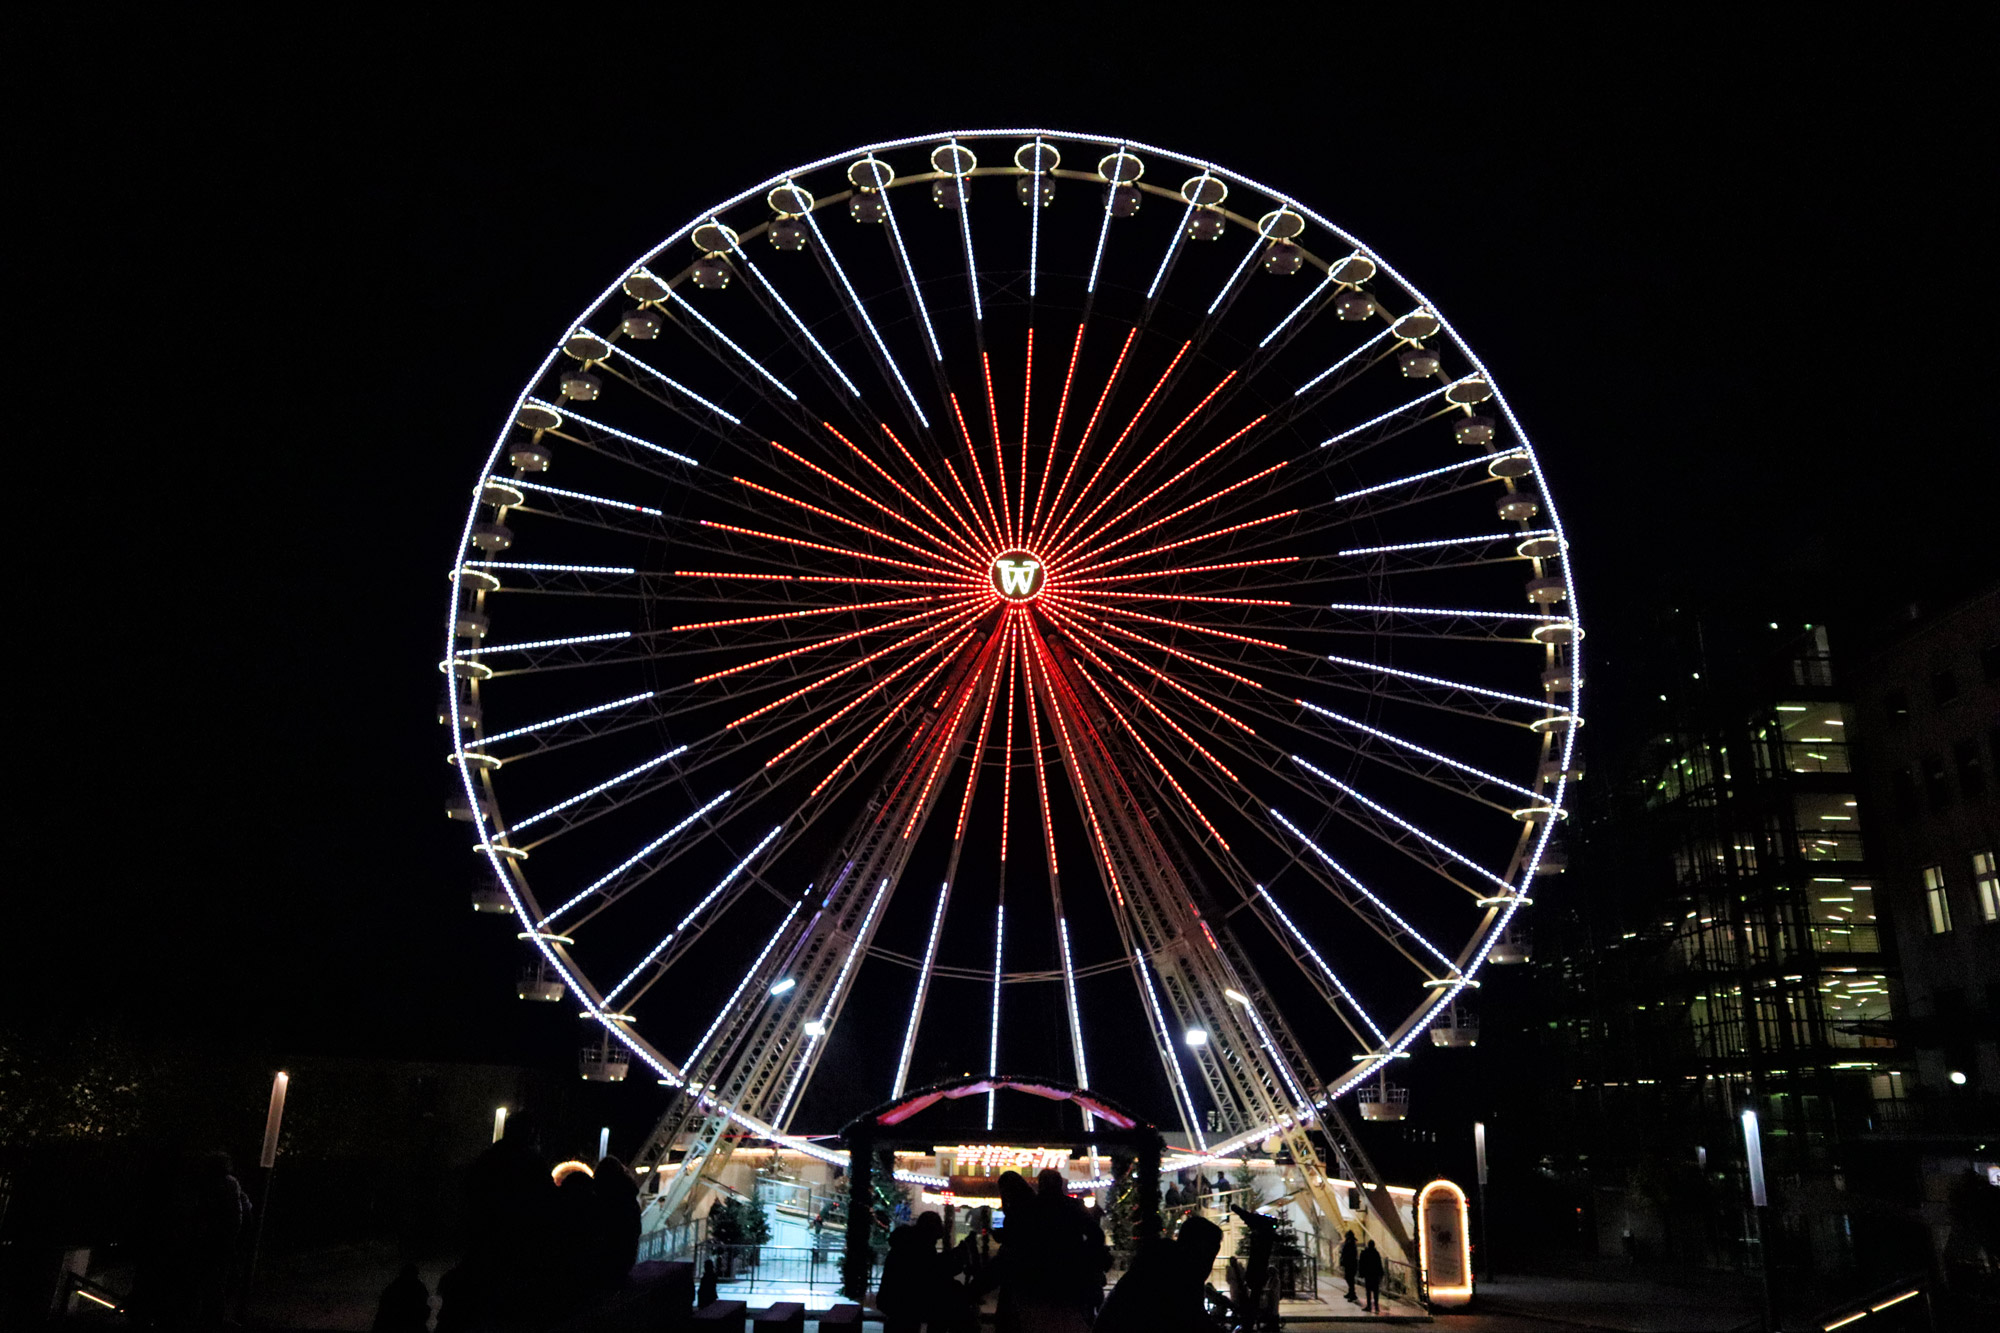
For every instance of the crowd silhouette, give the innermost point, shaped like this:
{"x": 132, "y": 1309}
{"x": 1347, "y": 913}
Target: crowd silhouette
{"x": 535, "y": 1250}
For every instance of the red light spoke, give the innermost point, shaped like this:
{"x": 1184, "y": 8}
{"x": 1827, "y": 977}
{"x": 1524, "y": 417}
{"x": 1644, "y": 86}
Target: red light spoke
{"x": 1076, "y": 779}
{"x": 943, "y": 535}
{"x": 1042, "y": 785}
{"x": 1174, "y": 782}
{"x": 1186, "y": 569}
{"x": 978, "y": 474}
{"x": 1062, "y": 407}
{"x": 1027, "y": 403}
{"x": 1170, "y": 481}
{"x": 979, "y": 750}
{"x": 958, "y": 534}
{"x": 959, "y": 583}
{"x": 1156, "y": 710}
{"x": 1158, "y": 674}
{"x": 1188, "y": 597}
{"x": 855, "y": 702}
{"x": 999, "y": 460}
{"x": 887, "y": 715}
{"x": 944, "y": 752}
{"x": 1155, "y": 450}
{"x": 1171, "y": 652}
{"x": 1007, "y": 763}
{"x": 821, "y": 546}
{"x": 794, "y": 615}
{"x": 828, "y": 643}
{"x": 1083, "y": 440}
{"x": 1116, "y": 444}
{"x": 837, "y": 518}
{"x": 828, "y": 679}
{"x": 1190, "y": 541}
{"x": 1188, "y": 508}
{"x": 965, "y": 526}
{"x": 1190, "y": 625}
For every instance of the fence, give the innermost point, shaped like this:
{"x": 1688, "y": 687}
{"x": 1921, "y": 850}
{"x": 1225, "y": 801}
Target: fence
{"x": 776, "y": 1266}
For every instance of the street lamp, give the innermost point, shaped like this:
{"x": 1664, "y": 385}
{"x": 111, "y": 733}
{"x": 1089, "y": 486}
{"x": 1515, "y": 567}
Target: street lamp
{"x": 1753, "y": 1157}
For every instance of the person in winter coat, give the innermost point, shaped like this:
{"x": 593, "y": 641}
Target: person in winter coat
{"x": 1371, "y": 1277}
{"x": 1350, "y": 1259}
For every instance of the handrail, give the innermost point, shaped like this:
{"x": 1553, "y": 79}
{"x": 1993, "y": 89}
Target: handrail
{"x": 1855, "y": 1310}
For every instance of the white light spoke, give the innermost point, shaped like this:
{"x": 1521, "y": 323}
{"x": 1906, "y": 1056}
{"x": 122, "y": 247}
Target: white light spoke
{"x": 993, "y": 1030}
{"x": 1103, "y": 231}
{"x": 1034, "y": 220}
{"x": 965, "y": 231}
{"x": 825, "y": 1020}
{"x": 1171, "y": 1049}
{"x": 1241, "y": 264}
{"x": 606, "y": 785}
{"x": 617, "y": 434}
{"x": 1413, "y": 747}
{"x": 578, "y": 495}
{"x": 910, "y": 277}
{"x": 1403, "y": 823}
{"x": 923, "y": 989}
{"x": 729, "y": 1005}
{"x": 698, "y": 909}
{"x": 1075, "y": 1015}
{"x": 632, "y": 860}
{"x": 1370, "y": 609}
{"x": 674, "y": 384}
{"x": 1364, "y": 890}
{"x": 793, "y": 315}
{"x": 1422, "y": 476}
{"x": 1173, "y": 245}
{"x": 1338, "y": 364}
{"x": 1352, "y": 431}
{"x": 1446, "y": 541}
{"x": 860, "y": 307}
{"x": 546, "y": 723}
{"x": 551, "y": 569}
{"x": 730, "y": 343}
{"x": 485, "y": 650}
{"x": 1280, "y": 326}
{"x": 1438, "y": 680}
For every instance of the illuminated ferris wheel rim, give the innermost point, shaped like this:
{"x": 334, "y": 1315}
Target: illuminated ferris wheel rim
{"x": 1017, "y": 576}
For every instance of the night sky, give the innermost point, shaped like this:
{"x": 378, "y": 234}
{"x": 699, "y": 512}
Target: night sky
{"x": 285, "y": 283}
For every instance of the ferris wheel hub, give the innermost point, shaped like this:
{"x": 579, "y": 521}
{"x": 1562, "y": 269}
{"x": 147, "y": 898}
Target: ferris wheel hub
{"x": 1018, "y": 575}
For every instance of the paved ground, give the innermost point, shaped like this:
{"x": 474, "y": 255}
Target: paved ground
{"x": 334, "y": 1290}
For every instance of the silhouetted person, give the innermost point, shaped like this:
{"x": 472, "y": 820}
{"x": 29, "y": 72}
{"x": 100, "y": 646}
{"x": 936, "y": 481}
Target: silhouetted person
{"x": 906, "y": 1270}
{"x": 1256, "y": 1274}
{"x": 1350, "y": 1261}
{"x": 405, "y": 1304}
{"x": 504, "y": 1280}
{"x": 1163, "y": 1290}
{"x": 1371, "y": 1276}
{"x": 215, "y": 1209}
{"x": 1172, "y": 1199}
{"x": 705, "y": 1294}
{"x": 614, "y": 1224}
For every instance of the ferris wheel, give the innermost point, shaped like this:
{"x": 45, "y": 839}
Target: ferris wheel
{"x": 1057, "y": 598}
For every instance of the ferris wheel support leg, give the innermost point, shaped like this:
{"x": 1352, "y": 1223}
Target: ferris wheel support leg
{"x": 762, "y": 1062}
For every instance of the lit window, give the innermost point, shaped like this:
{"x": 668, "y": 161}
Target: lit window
{"x": 1986, "y": 884}
{"x": 1940, "y": 906}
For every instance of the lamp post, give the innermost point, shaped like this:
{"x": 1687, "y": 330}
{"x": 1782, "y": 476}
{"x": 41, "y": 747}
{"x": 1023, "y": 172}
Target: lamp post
{"x": 1479, "y": 1154}
{"x": 1753, "y": 1157}
{"x": 267, "y": 1162}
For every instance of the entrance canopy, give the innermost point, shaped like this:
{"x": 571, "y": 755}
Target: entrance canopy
{"x": 882, "y": 1130}
{"x": 895, "y": 1112}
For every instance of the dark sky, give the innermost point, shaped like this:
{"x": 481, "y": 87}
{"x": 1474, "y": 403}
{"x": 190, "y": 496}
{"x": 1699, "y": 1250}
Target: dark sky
{"x": 285, "y": 282}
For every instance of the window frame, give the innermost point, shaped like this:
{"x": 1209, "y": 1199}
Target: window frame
{"x": 1936, "y": 901}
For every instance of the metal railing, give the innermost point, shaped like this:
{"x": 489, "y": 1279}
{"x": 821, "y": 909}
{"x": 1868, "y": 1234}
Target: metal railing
{"x": 790, "y": 1266}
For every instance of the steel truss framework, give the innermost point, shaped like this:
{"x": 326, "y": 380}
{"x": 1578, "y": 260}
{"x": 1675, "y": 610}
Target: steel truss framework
{"x": 1239, "y": 566}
